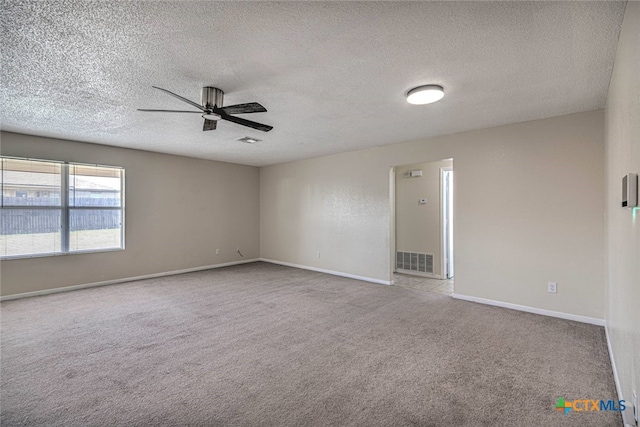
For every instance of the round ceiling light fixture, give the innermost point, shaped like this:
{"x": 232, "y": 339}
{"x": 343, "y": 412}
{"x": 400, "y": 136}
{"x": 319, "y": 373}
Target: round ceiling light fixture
{"x": 212, "y": 116}
{"x": 425, "y": 94}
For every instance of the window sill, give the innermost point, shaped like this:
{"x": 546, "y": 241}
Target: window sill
{"x": 56, "y": 254}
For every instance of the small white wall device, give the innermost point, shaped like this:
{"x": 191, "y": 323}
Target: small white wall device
{"x": 630, "y": 190}
{"x": 413, "y": 174}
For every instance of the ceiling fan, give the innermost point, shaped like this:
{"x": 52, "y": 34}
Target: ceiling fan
{"x": 212, "y": 109}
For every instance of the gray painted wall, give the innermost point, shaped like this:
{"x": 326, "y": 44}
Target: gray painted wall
{"x": 622, "y": 144}
{"x": 179, "y": 210}
{"x": 528, "y": 197}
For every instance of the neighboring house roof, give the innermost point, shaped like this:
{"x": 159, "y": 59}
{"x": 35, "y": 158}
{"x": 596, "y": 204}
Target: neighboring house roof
{"x": 49, "y": 180}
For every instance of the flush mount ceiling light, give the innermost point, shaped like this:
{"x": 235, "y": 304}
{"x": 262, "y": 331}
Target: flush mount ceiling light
{"x": 425, "y": 94}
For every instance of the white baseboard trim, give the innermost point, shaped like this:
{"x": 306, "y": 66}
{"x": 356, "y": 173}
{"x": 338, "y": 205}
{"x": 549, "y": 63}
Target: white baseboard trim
{"x": 123, "y": 280}
{"x": 332, "y": 272}
{"x": 558, "y": 314}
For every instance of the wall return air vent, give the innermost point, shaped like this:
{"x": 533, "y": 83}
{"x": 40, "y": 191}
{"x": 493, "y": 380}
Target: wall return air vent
{"x": 414, "y": 262}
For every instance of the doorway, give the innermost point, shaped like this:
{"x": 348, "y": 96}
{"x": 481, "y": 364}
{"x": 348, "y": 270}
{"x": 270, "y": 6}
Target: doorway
{"x": 422, "y": 226}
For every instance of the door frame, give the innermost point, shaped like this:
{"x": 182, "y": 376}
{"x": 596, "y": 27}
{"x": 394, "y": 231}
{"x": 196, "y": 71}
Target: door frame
{"x": 446, "y": 227}
{"x": 392, "y": 223}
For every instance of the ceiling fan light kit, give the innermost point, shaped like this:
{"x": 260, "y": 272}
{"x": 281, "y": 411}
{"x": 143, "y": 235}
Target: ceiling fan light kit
{"x": 211, "y": 116}
{"x": 248, "y": 140}
{"x": 212, "y": 109}
{"x": 425, "y": 94}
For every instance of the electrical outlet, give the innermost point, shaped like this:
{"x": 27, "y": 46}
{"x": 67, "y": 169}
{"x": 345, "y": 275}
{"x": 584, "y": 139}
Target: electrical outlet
{"x": 217, "y": 251}
{"x": 552, "y": 287}
{"x": 318, "y": 254}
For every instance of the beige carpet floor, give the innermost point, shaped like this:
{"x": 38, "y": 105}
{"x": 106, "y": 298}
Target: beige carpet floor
{"x": 265, "y": 345}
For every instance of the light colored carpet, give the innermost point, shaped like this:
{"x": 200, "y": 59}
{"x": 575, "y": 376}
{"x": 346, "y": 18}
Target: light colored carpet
{"x": 261, "y": 344}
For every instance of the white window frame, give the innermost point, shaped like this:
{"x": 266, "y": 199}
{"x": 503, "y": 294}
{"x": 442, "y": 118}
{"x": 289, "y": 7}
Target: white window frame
{"x": 65, "y": 210}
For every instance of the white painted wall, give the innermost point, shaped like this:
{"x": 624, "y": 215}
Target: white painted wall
{"x": 418, "y": 227}
{"x": 528, "y": 197}
{"x": 178, "y": 211}
{"x": 622, "y": 148}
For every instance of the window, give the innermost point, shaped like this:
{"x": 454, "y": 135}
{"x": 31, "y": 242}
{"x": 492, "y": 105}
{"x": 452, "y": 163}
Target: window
{"x": 50, "y": 208}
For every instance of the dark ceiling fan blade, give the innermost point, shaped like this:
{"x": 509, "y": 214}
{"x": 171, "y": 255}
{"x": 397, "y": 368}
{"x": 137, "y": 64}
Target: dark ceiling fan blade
{"x": 209, "y": 124}
{"x": 243, "y": 122}
{"x": 251, "y": 107}
{"x": 168, "y": 111}
{"x": 198, "y": 106}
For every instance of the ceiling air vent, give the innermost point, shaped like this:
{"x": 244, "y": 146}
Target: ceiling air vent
{"x": 248, "y": 140}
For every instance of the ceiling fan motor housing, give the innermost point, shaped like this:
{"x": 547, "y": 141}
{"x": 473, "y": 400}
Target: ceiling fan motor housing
{"x": 212, "y": 97}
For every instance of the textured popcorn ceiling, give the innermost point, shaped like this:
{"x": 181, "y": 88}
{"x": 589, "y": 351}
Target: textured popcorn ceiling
{"x": 332, "y": 74}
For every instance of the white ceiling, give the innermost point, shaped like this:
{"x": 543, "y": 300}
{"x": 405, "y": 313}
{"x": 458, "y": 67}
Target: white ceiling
{"x": 332, "y": 75}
